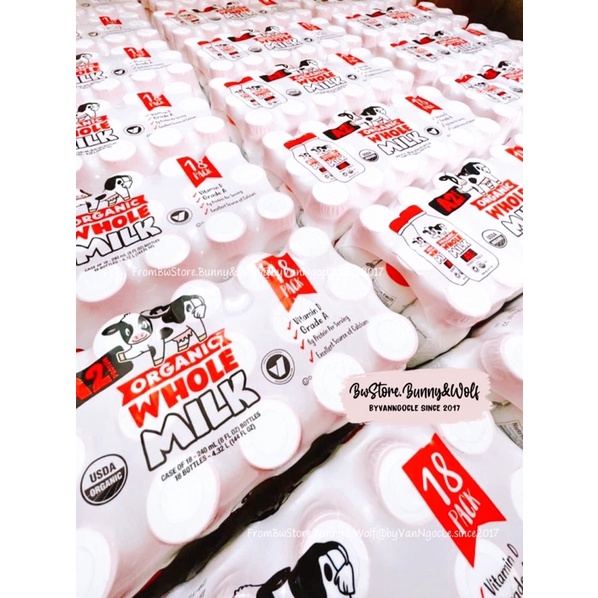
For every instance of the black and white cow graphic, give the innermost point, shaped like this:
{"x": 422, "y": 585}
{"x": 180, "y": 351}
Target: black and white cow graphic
{"x": 115, "y": 188}
{"x": 87, "y": 111}
{"x": 474, "y": 180}
{"x": 82, "y": 59}
{"x": 324, "y": 571}
{"x": 149, "y": 331}
{"x": 435, "y": 231}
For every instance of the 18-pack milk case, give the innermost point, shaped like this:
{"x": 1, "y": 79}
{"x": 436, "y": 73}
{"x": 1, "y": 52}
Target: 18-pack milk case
{"x": 271, "y": 199}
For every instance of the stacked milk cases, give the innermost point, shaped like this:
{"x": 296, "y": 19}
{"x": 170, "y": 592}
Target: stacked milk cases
{"x": 185, "y": 406}
{"x": 398, "y": 511}
{"x": 162, "y": 195}
{"x": 455, "y": 245}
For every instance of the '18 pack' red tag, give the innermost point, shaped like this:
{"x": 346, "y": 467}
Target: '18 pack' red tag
{"x": 455, "y": 498}
{"x": 286, "y": 278}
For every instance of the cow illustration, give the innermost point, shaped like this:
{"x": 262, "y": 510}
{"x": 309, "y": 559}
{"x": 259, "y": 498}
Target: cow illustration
{"x": 324, "y": 571}
{"x": 474, "y": 180}
{"x": 82, "y": 59}
{"x": 150, "y": 330}
{"x": 436, "y": 231}
{"x": 115, "y": 188}
{"x": 87, "y": 110}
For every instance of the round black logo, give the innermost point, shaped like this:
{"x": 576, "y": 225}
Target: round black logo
{"x": 368, "y": 155}
{"x": 179, "y": 216}
{"x": 278, "y": 366}
{"x": 104, "y": 479}
{"x": 433, "y": 131}
{"x": 134, "y": 129}
{"x": 119, "y": 72}
{"x": 495, "y": 238}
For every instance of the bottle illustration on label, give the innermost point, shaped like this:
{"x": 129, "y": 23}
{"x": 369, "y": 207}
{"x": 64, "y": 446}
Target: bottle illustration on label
{"x": 324, "y": 159}
{"x": 222, "y": 50}
{"x": 255, "y": 94}
{"x": 451, "y": 252}
{"x": 495, "y": 93}
{"x": 324, "y": 571}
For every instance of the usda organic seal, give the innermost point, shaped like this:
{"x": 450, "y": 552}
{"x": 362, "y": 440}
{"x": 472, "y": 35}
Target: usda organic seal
{"x": 104, "y": 479}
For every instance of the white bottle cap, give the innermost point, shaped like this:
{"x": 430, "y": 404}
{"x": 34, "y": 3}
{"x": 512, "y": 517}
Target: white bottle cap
{"x": 326, "y": 105}
{"x": 179, "y": 510}
{"x": 245, "y": 354}
{"x": 328, "y": 378}
{"x": 258, "y": 123}
{"x": 502, "y": 358}
{"x": 122, "y": 156}
{"x": 248, "y": 274}
{"x": 330, "y": 200}
{"x": 147, "y": 81}
{"x": 276, "y": 437}
{"x": 171, "y": 251}
{"x": 250, "y": 176}
{"x": 96, "y": 565}
{"x": 309, "y": 242}
{"x": 211, "y": 129}
{"x": 225, "y": 228}
{"x": 80, "y": 451}
{"x": 393, "y": 339}
{"x": 469, "y": 305}
{"x": 354, "y": 96}
{"x": 221, "y": 68}
{"x": 166, "y": 143}
{"x": 277, "y": 209}
{"x": 110, "y": 89}
{"x": 195, "y": 106}
{"x": 382, "y": 89}
{"x": 471, "y": 437}
{"x": 221, "y": 153}
{"x": 396, "y": 490}
{"x": 517, "y": 491}
{"x": 94, "y": 286}
{"x": 375, "y": 218}
{"x": 348, "y": 283}
{"x": 254, "y": 61}
{"x": 295, "y": 112}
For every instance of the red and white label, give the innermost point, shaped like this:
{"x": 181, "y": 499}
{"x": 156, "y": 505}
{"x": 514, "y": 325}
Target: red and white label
{"x": 286, "y": 278}
{"x": 134, "y": 53}
{"x": 455, "y": 498}
{"x": 423, "y": 104}
{"x": 151, "y": 101}
{"x": 198, "y": 172}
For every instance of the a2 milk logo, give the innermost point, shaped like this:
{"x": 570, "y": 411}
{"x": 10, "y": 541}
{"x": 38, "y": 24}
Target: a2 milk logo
{"x": 324, "y": 571}
{"x": 477, "y": 186}
{"x": 114, "y": 221}
{"x": 186, "y": 382}
{"x": 93, "y": 130}
{"x": 88, "y": 70}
